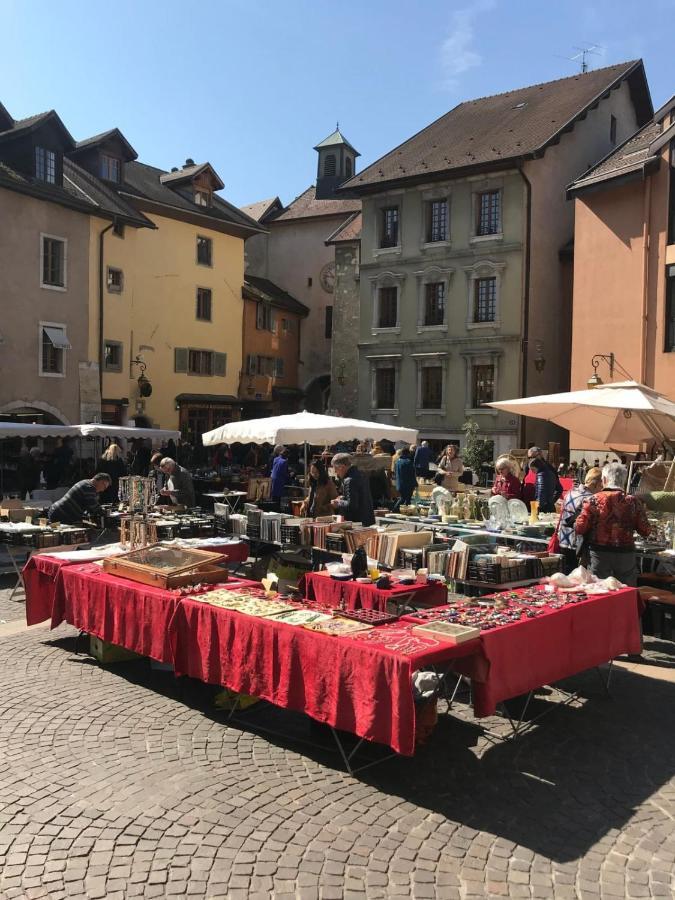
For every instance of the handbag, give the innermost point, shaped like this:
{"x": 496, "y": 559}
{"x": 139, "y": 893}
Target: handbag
{"x": 553, "y": 545}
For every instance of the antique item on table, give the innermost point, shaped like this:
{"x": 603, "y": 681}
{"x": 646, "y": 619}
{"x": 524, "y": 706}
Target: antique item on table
{"x": 383, "y": 583}
{"x": 168, "y": 567}
{"x": 369, "y": 616}
{"x": 339, "y": 626}
{"x": 262, "y": 608}
{"x": 449, "y": 631}
{"x": 301, "y": 616}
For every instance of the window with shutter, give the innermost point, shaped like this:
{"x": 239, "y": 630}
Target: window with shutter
{"x": 278, "y": 367}
{"x": 260, "y": 316}
{"x": 219, "y": 363}
{"x": 180, "y": 359}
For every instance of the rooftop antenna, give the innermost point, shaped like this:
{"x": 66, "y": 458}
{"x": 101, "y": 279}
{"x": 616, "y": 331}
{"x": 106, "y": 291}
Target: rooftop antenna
{"x": 583, "y": 53}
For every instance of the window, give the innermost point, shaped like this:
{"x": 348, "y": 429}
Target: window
{"x": 309, "y": 281}
{"x": 348, "y": 167}
{"x": 489, "y": 213}
{"x": 287, "y": 326}
{"x": 204, "y": 251}
{"x": 45, "y": 165}
{"x": 278, "y": 367}
{"x": 204, "y": 304}
{"x": 115, "y": 280}
{"x": 612, "y": 130}
{"x": 53, "y": 253}
{"x": 264, "y": 365}
{"x": 389, "y": 236}
{"x": 434, "y": 303}
{"x": 328, "y": 324}
{"x": 483, "y": 385}
{"x": 111, "y": 168}
{"x": 437, "y": 221}
{"x": 431, "y": 387}
{"x": 670, "y": 310}
{"x": 265, "y": 318}
{"x": 53, "y": 344}
{"x": 387, "y": 312}
{"x": 385, "y": 387}
{"x": 200, "y": 362}
{"x": 329, "y": 165}
{"x": 118, "y": 229}
{"x": 112, "y": 356}
{"x": 485, "y": 299}
{"x": 203, "y": 198}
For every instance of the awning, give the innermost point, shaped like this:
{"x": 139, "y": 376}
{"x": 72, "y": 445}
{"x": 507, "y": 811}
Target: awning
{"x": 57, "y": 337}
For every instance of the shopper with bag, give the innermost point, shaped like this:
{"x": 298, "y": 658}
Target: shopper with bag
{"x": 565, "y": 540}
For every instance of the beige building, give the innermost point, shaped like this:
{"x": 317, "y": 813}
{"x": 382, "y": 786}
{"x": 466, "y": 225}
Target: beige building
{"x": 464, "y": 269}
{"x": 294, "y": 255}
{"x": 624, "y": 265}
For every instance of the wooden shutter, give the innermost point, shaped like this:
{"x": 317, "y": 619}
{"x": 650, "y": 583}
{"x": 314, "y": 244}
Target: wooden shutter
{"x": 279, "y": 367}
{"x": 180, "y": 359}
{"x": 260, "y": 316}
{"x": 273, "y": 321}
{"x": 219, "y": 363}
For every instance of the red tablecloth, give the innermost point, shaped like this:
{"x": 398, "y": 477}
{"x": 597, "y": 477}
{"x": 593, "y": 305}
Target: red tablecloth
{"x": 360, "y": 684}
{"x": 131, "y": 615}
{"x": 331, "y": 592}
{"x": 562, "y": 642}
{"x": 40, "y": 572}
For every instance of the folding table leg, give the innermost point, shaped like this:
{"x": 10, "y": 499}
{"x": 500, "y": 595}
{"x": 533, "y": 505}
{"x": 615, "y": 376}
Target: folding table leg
{"x": 18, "y": 584}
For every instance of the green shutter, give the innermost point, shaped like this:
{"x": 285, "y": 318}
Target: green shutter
{"x": 219, "y": 363}
{"x": 180, "y": 359}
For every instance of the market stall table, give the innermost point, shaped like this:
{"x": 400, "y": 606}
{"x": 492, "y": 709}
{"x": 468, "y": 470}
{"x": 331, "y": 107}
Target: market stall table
{"x": 360, "y": 684}
{"x": 333, "y": 593}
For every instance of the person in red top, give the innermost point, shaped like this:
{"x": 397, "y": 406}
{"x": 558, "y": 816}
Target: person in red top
{"x": 506, "y": 482}
{"x": 609, "y": 520}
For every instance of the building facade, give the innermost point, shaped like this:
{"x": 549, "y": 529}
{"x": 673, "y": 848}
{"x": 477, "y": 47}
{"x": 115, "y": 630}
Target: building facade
{"x": 624, "y": 264}
{"x": 294, "y": 255}
{"x": 462, "y": 264}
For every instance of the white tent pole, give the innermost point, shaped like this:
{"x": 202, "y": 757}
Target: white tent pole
{"x": 306, "y": 467}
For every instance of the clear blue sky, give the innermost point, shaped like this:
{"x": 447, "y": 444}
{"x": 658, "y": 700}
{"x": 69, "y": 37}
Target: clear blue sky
{"x": 253, "y": 85}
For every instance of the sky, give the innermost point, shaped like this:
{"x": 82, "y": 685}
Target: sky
{"x": 252, "y": 85}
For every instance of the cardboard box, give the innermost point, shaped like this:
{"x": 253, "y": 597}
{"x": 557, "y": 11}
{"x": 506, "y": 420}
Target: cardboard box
{"x": 18, "y": 511}
{"x": 107, "y": 653}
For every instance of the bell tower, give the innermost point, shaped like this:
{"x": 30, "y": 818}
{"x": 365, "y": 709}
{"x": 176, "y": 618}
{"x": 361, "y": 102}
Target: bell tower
{"x": 336, "y": 164}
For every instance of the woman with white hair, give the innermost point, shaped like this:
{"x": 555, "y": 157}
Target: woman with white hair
{"x": 506, "y": 482}
{"x": 112, "y": 463}
{"x": 610, "y": 519}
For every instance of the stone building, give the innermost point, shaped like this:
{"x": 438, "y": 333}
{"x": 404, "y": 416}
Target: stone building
{"x": 464, "y": 253}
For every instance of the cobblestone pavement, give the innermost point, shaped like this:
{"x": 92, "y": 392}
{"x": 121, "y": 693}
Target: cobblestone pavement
{"x": 114, "y": 785}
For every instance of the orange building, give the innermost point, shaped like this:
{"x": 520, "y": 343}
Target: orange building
{"x": 624, "y": 263}
{"x": 269, "y": 381}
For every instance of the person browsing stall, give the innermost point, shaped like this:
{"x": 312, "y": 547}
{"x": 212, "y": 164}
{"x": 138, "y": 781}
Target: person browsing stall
{"x": 155, "y": 471}
{"x": 281, "y": 474}
{"x": 570, "y": 541}
{"x": 355, "y": 504}
{"x": 81, "y": 500}
{"x": 506, "y": 484}
{"x": 450, "y": 462}
{"x": 112, "y": 463}
{"x": 179, "y": 484}
{"x": 610, "y": 519}
{"x": 404, "y": 473}
{"x": 546, "y": 484}
{"x": 321, "y": 492}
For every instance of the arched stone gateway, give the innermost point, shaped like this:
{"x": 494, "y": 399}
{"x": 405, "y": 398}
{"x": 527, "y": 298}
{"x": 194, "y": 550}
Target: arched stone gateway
{"x": 44, "y": 413}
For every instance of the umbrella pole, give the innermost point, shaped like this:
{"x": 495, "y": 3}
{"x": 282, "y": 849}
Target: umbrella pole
{"x": 306, "y": 467}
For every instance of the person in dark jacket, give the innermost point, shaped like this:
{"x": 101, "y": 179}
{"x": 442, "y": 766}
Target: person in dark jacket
{"x": 113, "y": 464}
{"x": 404, "y": 473}
{"x": 281, "y": 475}
{"x": 80, "y": 501}
{"x": 422, "y": 460}
{"x": 545, "y": 486}
{"x": 355, "y": 504}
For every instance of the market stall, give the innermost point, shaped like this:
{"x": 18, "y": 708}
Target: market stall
{"x": 320, "y": 587}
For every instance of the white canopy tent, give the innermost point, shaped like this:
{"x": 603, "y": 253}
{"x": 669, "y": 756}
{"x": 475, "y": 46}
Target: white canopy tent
{"x": 18, "y": 429}
{"x": 615, "y": 414}
{"x": 305, "y": 427}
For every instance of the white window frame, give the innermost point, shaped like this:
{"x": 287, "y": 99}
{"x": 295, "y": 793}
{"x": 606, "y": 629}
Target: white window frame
{"x": 41, "y": 326}
{"x": 112, "y": 289}
{"x": 482, "y": 188}
{"x": 484, "y": 268}
{"x": 432, "y": 275}
{"x": 480, "y": 357}
{"x": 386, "y": 361}
{"x": 431, "y": 360}
{"x": 64, "y": 241}
{"x": 112, "y": 343}
{"x": 385, "y": 280}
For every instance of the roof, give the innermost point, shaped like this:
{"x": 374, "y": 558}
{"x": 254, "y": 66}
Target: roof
{"x": 113, "y": 134}
{"x": 188, "y": 172}
{"x": 306, "y": 206}
{"x": 490, "y": 132}
{"x": 256, "y": 288}
{"x": 31, "y": 123}
{"x": 336, "y": 139}
{"x": 258, "y": 211}
{"x": 142, "y": 182}
{"x": 628, "y": 159}
{"x": 348, "y": 231}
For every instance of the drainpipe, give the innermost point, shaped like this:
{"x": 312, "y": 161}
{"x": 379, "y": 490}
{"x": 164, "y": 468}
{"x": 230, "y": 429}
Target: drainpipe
{"x": 525, "y": 325}
{"x": 646, "y": 229}
{"x": 101, "y": 277}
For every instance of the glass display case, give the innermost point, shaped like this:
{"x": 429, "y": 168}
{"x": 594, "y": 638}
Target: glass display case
{"x": 168, "y": 567}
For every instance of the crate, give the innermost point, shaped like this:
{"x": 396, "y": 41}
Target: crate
{"x": 253, "y": 531}
{"x": 108, "y": 653}
{"x": 335, "y": 543}
{"x": 290, "y": 534}
{"x": 662, "y": 617}
{"x": 493, "y": 573}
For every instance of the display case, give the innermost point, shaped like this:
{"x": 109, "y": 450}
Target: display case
{"x": 168, "y": 567}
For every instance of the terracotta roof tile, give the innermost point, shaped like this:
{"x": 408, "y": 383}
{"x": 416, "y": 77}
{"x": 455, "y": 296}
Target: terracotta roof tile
{"x": 306, "y": 206}
{"x": 348, "y": 231}
{"x": 629, "y": 157}
{"x": 258, "y": 211}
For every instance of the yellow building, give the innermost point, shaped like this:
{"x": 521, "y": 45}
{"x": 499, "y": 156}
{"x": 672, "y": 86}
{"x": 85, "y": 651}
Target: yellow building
{"x": 166, "y": 293}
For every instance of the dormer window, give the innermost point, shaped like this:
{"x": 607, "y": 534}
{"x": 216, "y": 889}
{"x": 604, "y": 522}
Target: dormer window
{"x": 45, "y": 165}
{"x": 111, "y": 168}
{"x": 202, "y": 197}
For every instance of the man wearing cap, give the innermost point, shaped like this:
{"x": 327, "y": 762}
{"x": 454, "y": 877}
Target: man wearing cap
{"x": 355, "y": 504}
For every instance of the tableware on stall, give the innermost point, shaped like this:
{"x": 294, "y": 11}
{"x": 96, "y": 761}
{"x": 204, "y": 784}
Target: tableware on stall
{"x": 518, "y": 511}
{"x": 422, "y": 576}
{"x": 534, "y": 511}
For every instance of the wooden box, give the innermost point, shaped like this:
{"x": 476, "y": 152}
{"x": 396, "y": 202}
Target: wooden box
{"x": 168, "y": 567}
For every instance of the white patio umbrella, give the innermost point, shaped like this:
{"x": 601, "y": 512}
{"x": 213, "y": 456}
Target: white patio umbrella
{"x": 623, "y": 413}
{"x": 305, "y": 427}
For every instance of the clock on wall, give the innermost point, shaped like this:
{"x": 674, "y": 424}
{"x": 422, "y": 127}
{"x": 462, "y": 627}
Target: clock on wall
{"x": 327, "y": 277}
